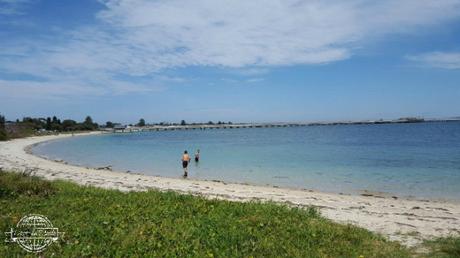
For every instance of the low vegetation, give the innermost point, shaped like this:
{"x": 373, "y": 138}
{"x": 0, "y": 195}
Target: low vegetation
{"x": 32, "y": 126}
{"x": 29, "y": 126}
{"x": 14, "y": 185}
{"x": 444, "y": 247}
{"x": 109, "y": 223}
{"x": 3, "y": 135}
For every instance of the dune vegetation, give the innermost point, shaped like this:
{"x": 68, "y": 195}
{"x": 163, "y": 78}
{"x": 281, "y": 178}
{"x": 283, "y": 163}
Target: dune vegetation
{"x": 109, "y": 223}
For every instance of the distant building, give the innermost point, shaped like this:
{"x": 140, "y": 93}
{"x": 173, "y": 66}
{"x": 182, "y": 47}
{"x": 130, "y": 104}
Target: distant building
{"x": 119, "y": 128}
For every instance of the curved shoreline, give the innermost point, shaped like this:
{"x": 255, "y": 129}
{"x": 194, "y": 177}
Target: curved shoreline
{"x": 405, "y": 220}
{"x": 377, "y": 194}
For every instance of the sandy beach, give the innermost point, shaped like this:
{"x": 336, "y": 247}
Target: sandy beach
{"x": 406, "y": 220}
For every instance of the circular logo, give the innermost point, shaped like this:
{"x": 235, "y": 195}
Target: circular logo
{"x": 34, "y": 233}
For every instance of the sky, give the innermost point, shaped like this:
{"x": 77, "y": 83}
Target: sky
{"x": 235, "y": 60}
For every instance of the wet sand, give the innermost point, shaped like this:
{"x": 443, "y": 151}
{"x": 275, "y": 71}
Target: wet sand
{"x": 406, "y": 220}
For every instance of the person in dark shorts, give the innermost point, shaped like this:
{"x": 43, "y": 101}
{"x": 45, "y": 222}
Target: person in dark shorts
{"x": 185, "y": 161}
{"x": 197, "y": 155}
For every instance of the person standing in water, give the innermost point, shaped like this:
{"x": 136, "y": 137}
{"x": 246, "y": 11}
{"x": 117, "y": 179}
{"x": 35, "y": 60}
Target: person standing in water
{"x": 197, "y": 155}
{"x": 185, "y": 161}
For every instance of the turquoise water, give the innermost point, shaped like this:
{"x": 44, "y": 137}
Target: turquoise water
{"x": 421, "y": 160}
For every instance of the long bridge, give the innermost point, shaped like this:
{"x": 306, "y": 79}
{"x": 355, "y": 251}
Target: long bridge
{"x": 147, "y": 128}
{"x": 127, "y": 129}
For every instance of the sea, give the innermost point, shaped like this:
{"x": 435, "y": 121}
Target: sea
{"x": 420, "y": 160}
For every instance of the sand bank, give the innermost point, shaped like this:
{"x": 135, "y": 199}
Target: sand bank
{"x": 405, "y": 220}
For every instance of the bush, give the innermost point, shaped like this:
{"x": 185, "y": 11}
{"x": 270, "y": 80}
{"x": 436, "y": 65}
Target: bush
{"x": 3, "y": 136}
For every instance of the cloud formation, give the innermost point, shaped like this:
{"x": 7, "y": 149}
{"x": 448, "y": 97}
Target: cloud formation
{"x": 262, "y": 33}
{"x": 445, "y": 60}
{"x": 141, "y": 38}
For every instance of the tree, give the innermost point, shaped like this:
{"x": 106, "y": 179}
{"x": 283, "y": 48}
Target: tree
{"x": 88, "y": 124}
{"x": 3, "y": 135}
{"x": 88, "y": 120}
{"x": 109, "y": 124}
{"x": 141, "y": 122}
{"x": 48, "y": 123}
{"x": 34, "y": 123}
{"x": 183, "y": 122}
{"x": 55, "y": 124}
{"x": 210, "y": 123}
{"x": 69, "y": 125}
{"x": 55, "y": 120}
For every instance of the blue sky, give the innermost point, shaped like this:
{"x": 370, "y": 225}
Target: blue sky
{"x": 241, "y": 61}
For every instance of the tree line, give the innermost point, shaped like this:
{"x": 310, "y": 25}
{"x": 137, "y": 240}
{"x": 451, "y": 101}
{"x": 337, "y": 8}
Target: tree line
{"x": 55, "y": 124}
{"x": 29, "y": 126}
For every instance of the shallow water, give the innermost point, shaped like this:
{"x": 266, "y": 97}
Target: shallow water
{"x": 421, "y": 160}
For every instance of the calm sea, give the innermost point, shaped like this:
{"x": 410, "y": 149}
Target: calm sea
{"x": 421, "y": 160}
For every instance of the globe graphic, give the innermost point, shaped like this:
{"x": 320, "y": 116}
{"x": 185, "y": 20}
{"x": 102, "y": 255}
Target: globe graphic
{"x": 35, "y": 233}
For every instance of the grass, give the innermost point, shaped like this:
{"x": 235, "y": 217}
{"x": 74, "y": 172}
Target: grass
{"x": 444, "y": 247}
{"x": 109, "y": 223}
{"x": 14, "y": 185}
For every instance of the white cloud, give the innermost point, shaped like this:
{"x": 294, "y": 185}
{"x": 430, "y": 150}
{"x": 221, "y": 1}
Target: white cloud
{"x": 262, "y": 33}
{"x": 140, "y": 37}
{"x": 446, "y": 60}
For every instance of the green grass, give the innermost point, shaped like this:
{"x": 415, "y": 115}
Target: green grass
{"x": 444, "y": 247}
{"x": 109, "y": 223}
{"x": 15, "y": 185}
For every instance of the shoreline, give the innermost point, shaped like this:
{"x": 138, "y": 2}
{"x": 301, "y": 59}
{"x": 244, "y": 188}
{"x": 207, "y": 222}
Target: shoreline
{"x": 406, "y": 220}
{"x": 361, "y": 192}
{"x": 356, "y": 192}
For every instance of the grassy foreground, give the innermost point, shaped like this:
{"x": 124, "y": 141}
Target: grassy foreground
{"x": 444, "y": 247}
{"x": 109, "y": 223}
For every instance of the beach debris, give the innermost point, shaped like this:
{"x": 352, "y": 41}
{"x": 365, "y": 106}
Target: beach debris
{"x": 367, "y": 194}
{"x": 109, "y": 167}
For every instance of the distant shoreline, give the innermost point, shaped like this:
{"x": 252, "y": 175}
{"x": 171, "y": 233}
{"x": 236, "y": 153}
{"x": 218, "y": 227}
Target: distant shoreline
{"x": 394, "y": 217}
{"x": 200, "y": 126}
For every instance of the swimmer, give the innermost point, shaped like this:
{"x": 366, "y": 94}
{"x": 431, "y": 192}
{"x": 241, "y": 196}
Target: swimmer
{"x": 185, "y": 161}
{"x": 197, "y": 155}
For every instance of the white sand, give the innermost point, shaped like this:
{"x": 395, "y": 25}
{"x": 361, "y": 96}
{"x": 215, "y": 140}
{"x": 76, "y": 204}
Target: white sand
{"x": 408, "y": 221}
